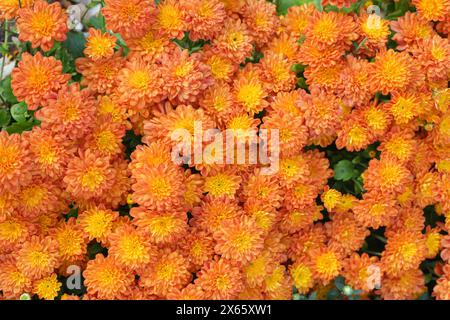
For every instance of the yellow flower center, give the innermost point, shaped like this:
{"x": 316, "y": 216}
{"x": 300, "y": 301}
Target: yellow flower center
{"x": 357, "y": 136}
{"x": 106, "y": 141}
{"x": 399, "y": 147}
{"x": 100, "y": 46}
{"x": 403, "y": 110}
{"x": 222, "y": 283}
{"x": 325, "y": 29}
{"x": 235, "y": 39}
{"x": 160, "y": 187}
{"x": 10, "y": 230}
{"x": 327, "y": 264}
{"x": 38, "y": 77}
{"x": 169, "y": 17}
{"x": 130, "y": 12}
{"x": 131, "y": 248}
{"x": 165, "y": 272}
{"x": 408, "y": 251}
{"x": 47, "y": 154}
{"x": 242, "y": 242}
{"x": 374, "y": 27}
{"x": 98, "y": 224}
{"x": 38, "y": 259}
{"x": 184, "y": 69}
{"x": 92, "y": 179}
{"x": 302, "y": 277}
{"x": 42, "y": 24}
{"x": 71, "y": 112}
{"x": 250, "y": 95}
{"x": 33, "y": 196}
{"x": 220, "y": 68}
{"x": 8, "y": 159}
{"x": 220, "y": 184}
{"x": 139, "y": 80}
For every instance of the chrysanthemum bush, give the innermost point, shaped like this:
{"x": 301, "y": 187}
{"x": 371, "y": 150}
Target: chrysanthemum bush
{"x": 360, "y": 205}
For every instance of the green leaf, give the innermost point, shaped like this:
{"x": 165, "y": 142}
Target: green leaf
{"x": 6, "y": 91}
{"x": 344, "y": 170}
{"x": 19, "y": 127}
{"x": 5, "y": 117}
{"x": 19, "y": 112}
{"x": 75, "y": 44}
{"x": 339, "y": 283}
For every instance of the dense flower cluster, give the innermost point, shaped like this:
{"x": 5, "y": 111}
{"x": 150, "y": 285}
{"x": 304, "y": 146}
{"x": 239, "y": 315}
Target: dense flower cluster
{"x": 324, "y": 79}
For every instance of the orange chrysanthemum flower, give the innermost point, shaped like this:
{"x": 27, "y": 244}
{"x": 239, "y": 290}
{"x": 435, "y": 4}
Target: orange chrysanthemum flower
{"x": 432, "y": 9}
{"x": 264, "y": 189}
{"x": 297, "y": 219}
{"x": 71, "y": 240}
{"x": 38, "y": 257}
{"x": 277, "y": 73}
{"x": 362, "y": 272}
{"x": 99, "y": 45}
{"x": 198, "y": 247}
{"x": 100, "y": 76}
{"x": 88, "y": 176}
{"x": 105, "y": 279}
{"x": 36, "y": 78}
{"x": 302, "y": 275}
{"x": 130, "y": 247}
{"x": 234, "y": 42}
{"x": 42, "y": 24}
{"x": 13, "y": 232}
{"x": 218, "y": 103}
{"x": 296, "y": 19}
{"x": 167, "y": 273}
{"x": 47, "y": 288}
{"x": 220, "y": 280}
{"x": 171, "y": 19}
{"x": 9, "y": 8}
{"x": 97, "y": 223}
{"x": 404, "y": 250}
{"x": 223, "y": 183}
{"x": 325, "y": 263}
{"x": 409, "y": 285}
{"x": 277, "y": 286}
{"x": 128, "y": 17}
{"x": 106, "y": 137}
{"x": 410, "y": 29}
{"x": 393, "y": 72}
{"x": 71, "y": 111}
{"x": 14, "y": 162}
{"x": 162, "y": 228}
{"x": 346, "y": 235}
{"x": 375, "y": 210}
{"x": 204, "y": 18}
{"x": 261, "y": 19}
{"x": 442, "y": 289}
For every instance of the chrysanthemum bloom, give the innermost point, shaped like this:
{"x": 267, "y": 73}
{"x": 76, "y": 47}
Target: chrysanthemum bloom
{"x": 12, "y": 281}
{"x": 100, "y": 76}
{"x": 88, "y": 175}
{"x": 319, "y": 167}
{"x": 36, "y": 78}
{"x": 38, "y": 257}
{"x": 9, "y": 8}
{"x": 204, "y": 18}
{"x": 433, "y": 55}
{"x": 362, "y": 272}
{"x": 293, "y": 169}
{"x": 190, "y": 292}
{"x": 13, "y": 232}
{"x": 71, "y": 240}
{"x": 432, "y": 9}
{"x": 130, "y": 248}
{"x": 99, "y": 45}
{"x": 302, "y": 275}
{"x": 375, "y": 30}
{"x": 261, "y": 19}
{"x": 15, "y": 162}
{"x": 117, "y": 194}
{"x": 330, "y": 198}
{"x": 243, "y": 126}
{"x": 214, "y": 211}
{"x": 218, "y": 103}
{"x": 193, "y": 193}
{"x": 296, "y": 19}
{"x": 161, "y": 228}
{"x": 404, "y": 107}
{"x": 234, "y": 42}
{"x": 264, "y": 189}
{"x": 47, "y": 288}
{"x": 442, "y": 288}
{"x": 220, "y": 280}
{"x": 109, "y": 105}
{"x": 71, "y": 111}
{"x": 105, "y": 279}
{"x": 408, "y": 219}
{"x": 285, "y": 44}
{"x": 277, "y": 286}
{"x": 433, "y": 242}
{"x": 331, "y": 28}
{"x": 398, "y": 144}
{"x": 222, "y": 183}
{"x": 354, "y": 82}
{"x": 320, "y": 113}
{"x": 171, "y": 19}
{"x": 176, "y": 122}
{"x": 404, "y": 250}
{"x": 128, "y": 17}
{"x": 408, "y": 285}
{"x": 168, "y": 272}
{"x": 346, "y": 234}
{"x": 354, "y": 135}
{"x": 39, "y": 197}
{"x": 222, "y": 68}
{"x": 277, "y": 73}
{"x": 393, "y": 72}
{"x": 97, "y": 223}
{"x": 158, "y": 188}
{"x": 386, "y": 176}
{"x": 300, "y": 194}
{"x": 8, "y": 204}
{"x": 266, "y": 216}
{"x": 259, "y": 269}
{"x": 325, "y": 263}
{"x": 106, "y": 137}
{"x": 377, "y": 119}
{"x": 339, "y": 3}
{"x": 198, "y": 247}
{"x": 151, "y": 46}
{"x": 239, "y": 240}
{"x": 296, "y": 219}
{"x": 312, "y": 55}
{"x": 375, "y": 210}
{"x": 139, "y": 84}
{"x": 185, "y": 77}
{"x": 42, "y": 24}
{"x": 50, "y": 152}
{"x": 410, "y": 29}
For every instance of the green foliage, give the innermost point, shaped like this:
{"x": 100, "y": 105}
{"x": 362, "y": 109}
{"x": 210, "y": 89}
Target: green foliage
{"x": 95, "y": 248}
{"x": 284, "y": 5}
{"x": 6, "y": 91}
{"x": 187, "y": 44}
{"x": 344, "y": 170}
{"x": 75, "y": 44}
{"x": 97, "y": 22}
